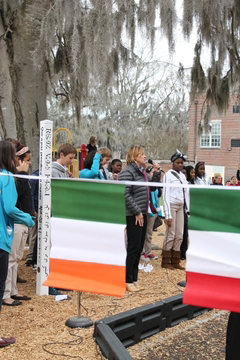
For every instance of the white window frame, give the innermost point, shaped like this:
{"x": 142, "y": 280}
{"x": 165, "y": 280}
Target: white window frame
{"x": 211, "y": 136}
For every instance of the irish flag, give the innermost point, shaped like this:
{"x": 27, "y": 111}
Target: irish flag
{"x": 213, "y": 257}
{"x": 87, "y": 236}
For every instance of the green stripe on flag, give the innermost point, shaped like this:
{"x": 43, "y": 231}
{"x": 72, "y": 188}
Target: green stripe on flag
{"x": 92, "y": 201}
{"x": 214, "y": 210}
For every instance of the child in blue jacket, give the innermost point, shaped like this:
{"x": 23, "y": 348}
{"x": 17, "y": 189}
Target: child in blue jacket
{"x": 94, "y": 162}
{"x": 8, "y": 214}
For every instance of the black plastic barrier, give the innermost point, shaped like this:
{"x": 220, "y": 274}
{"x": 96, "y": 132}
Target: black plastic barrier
{"x": 135, "y": 325}
{"x": 175, "y": 311}
{"x": 132, "y": 326}
{"x": 110, "y": 345}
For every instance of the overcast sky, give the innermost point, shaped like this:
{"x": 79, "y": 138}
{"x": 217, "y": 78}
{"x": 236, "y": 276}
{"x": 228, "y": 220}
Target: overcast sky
{"x": 184, "y": 50}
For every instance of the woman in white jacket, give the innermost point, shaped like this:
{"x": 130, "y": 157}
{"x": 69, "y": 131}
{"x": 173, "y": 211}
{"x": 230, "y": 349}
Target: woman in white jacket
{"x": 175, "y": 202}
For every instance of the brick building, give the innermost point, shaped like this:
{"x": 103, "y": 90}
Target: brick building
{"x": 220, "y": 148}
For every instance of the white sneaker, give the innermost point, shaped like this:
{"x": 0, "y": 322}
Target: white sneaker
{"x": 144, "y": 258}
{"x": 152, "y": 257}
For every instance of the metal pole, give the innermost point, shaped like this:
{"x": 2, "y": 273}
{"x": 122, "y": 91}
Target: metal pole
{"x": 195, "y": 131}
{"x": 79, "y": 321}
{"x": 79, "y": 303}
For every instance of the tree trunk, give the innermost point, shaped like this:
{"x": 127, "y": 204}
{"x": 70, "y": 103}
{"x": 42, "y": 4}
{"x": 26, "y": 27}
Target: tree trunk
{"x": 23, "y": 87}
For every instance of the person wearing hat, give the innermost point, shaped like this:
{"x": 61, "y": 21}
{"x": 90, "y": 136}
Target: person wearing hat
{"x": 175, "y": 202}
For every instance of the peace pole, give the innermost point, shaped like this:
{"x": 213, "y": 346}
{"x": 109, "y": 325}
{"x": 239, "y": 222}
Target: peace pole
{"x": 44, "y": 205}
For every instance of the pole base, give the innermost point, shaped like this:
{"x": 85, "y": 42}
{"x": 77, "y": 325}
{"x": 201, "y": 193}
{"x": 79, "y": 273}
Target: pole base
{"x": 182, "y": 283}
{"x": 78, "y": 321}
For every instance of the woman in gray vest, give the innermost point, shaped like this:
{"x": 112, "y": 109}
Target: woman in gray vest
{"x": 136, "y": 202}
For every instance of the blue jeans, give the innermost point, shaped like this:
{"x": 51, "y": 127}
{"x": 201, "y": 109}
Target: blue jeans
{"x": 4, "y": 256}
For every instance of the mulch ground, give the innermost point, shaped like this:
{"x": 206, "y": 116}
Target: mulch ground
{"x": 40, "y": 331}
{"x": 198, "y": 339}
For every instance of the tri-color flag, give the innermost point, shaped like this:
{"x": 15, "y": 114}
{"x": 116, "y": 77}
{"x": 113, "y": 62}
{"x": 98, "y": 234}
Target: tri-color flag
{"x": 87, "y": 235}
{"x": 213, "y": 257}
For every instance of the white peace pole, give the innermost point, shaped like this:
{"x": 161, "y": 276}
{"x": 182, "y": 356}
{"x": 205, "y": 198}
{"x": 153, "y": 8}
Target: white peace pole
{"x": 44, "y": 206}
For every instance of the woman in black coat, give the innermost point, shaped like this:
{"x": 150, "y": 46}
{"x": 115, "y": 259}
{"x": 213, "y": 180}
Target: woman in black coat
{"x": 92, "y": 146}
{"x": 136, "y": 201}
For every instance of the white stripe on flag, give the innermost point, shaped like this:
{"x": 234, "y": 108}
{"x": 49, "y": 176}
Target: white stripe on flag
{"x": 88, "y": 241}
{"x": 214, "y": 253}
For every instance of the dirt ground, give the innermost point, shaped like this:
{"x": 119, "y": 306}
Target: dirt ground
{"x": 40, "y": 331}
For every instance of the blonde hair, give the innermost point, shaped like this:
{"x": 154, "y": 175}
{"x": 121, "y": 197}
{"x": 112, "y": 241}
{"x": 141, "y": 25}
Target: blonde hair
{"x": 105, "y": 152}
{"x": 217, "y": 175}
{"x": 133, "y": 152}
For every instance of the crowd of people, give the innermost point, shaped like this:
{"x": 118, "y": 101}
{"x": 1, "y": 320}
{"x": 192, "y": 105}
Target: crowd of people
{"x": 19, "y": 208}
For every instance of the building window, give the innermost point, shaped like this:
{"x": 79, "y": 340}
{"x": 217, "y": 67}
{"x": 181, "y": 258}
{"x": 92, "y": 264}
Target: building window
{"x": 213, "y": 137}
{"x": 235, "y": 142}
{"x": 235, "y": 109}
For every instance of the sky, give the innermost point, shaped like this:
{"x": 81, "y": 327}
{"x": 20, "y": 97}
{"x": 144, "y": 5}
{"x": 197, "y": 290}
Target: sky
{"x": 184, "y": 50}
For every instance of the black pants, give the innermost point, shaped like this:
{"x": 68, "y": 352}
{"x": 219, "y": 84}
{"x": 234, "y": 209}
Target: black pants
{"x": 4, "y": 256}
{"x": 233, "y": 337}
{"x": 34, "y": 257}
{"x": 136, "y": 237}
{"x": 184, "y": 245}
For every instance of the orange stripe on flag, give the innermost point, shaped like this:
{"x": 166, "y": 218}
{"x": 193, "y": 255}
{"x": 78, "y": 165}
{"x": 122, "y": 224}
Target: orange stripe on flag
{"x": 85, "y": 276}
